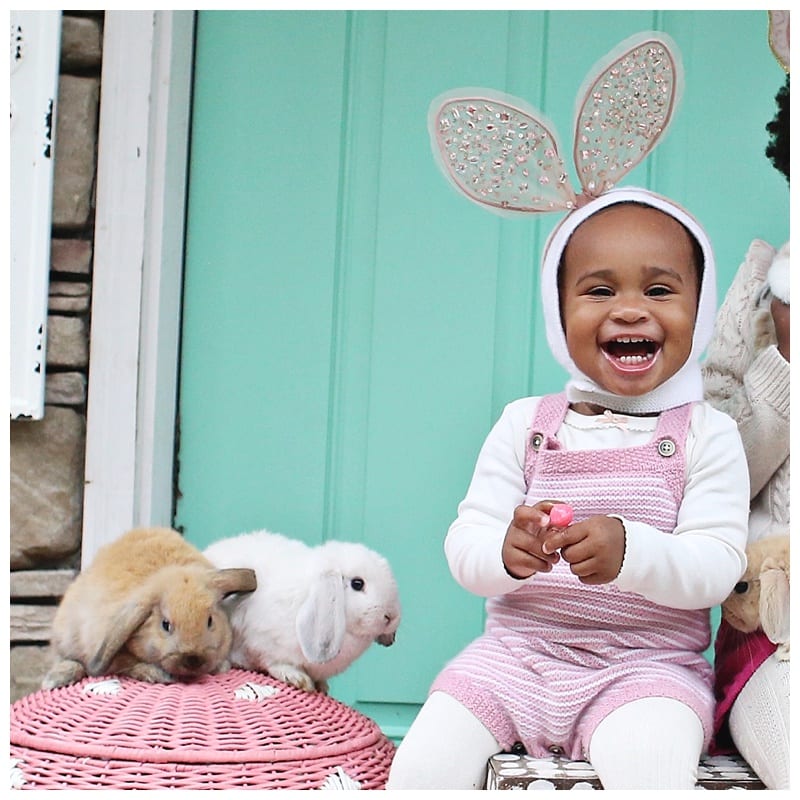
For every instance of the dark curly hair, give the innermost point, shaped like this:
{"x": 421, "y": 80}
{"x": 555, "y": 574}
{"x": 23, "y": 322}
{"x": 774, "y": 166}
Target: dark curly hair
{"x": 778, "y": 128}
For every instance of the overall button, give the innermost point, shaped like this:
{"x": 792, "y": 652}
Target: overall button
{"x": 666, "y": 448}
{"x": 556, "y": 750}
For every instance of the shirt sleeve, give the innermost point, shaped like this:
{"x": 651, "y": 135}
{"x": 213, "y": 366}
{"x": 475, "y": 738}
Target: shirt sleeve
{"x": 473, "y": 545}
{"x": 698, "y": 566}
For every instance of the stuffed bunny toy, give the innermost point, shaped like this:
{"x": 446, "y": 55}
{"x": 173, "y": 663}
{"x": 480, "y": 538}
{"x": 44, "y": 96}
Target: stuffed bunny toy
{"x": 316, "y": 609}
{"x": 149, "y": 606}
{"x": 761, "y": 598}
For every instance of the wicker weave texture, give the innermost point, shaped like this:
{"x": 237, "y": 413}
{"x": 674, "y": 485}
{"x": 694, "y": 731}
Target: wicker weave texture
{"x": 237, "y": 730}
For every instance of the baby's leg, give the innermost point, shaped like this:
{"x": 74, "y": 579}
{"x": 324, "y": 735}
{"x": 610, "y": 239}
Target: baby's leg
{"x": 446, "y": 747}
{"x": 652, "y": 743}
{"x": 759, "y": 723}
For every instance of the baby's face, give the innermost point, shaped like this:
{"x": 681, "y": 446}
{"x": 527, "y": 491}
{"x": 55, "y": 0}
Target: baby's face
{"x": 628, "y": 294}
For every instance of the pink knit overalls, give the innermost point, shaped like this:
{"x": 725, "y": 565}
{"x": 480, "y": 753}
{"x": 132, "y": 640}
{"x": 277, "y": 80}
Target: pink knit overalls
{"x": 556, "y": 655}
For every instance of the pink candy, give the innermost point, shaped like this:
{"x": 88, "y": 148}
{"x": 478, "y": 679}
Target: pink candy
{"x": 560, "y": 515}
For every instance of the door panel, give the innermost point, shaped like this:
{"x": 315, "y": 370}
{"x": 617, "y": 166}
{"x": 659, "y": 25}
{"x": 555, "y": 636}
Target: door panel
{"x": 352, "y": 326}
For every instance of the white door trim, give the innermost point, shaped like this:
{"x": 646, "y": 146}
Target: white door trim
{"x": 137, "y": 274}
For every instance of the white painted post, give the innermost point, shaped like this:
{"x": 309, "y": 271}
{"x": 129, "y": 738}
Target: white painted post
{"x": 136, "y": 284}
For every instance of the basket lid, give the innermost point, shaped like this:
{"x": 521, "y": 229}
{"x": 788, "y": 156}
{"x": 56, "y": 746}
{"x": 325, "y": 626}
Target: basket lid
{"x": 228, "y": 718}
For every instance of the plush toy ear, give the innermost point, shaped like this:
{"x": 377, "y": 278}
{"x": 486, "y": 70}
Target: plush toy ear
{"x": 774, "y": 602}
{"x": 120, "y": 628}
{"x": 320, "y": 623}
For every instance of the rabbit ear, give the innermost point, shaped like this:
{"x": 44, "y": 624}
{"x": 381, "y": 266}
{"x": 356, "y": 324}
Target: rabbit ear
{"x": 774, "y": 602}
{"x": 499, "y": 151}
{"x": 320, "y": 623}
{"x": 233, "y": 580}
{"x": 624, "y": 107}
{"x": 120, "y": 628}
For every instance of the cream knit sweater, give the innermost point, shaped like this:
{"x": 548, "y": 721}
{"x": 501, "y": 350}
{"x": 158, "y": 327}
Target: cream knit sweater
{"x": 746, "y": 377}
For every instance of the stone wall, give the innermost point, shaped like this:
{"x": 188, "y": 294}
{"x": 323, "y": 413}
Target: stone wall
{"x": 47, "y": 456}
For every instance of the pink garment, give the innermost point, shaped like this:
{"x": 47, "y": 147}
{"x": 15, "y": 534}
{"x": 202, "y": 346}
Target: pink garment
{"x": 556, "y": 655}
{"x": 737, "y": 656}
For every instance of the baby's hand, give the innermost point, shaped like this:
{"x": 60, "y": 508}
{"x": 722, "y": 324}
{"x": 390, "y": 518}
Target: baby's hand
{"x": 522, "y": 547}
{"x": 593, "y": 547}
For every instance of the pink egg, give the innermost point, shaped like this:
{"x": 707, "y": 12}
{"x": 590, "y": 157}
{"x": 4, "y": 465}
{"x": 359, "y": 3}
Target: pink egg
{"x": 560, "y": 515}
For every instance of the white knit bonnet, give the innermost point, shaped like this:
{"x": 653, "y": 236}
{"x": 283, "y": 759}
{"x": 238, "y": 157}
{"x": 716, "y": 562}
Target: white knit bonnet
{"x": 503, "y": 154}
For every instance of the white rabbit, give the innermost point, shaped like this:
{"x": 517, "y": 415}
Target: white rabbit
{"x": 316, "y": 609}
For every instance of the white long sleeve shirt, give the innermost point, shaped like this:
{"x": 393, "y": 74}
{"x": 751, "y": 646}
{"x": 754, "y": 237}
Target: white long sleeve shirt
{"x": 695, "y": 568}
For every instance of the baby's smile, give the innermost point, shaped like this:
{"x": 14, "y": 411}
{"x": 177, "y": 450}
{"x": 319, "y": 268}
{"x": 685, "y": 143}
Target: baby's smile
{"x": 631, "y": 352}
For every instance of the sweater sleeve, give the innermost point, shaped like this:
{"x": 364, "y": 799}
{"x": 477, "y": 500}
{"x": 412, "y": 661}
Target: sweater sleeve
{"x": 699, "y": 565}
{"x": 473, "y": 545}
{"x": 745, "y": 376}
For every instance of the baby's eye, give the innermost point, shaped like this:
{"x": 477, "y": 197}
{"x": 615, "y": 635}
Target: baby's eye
{"x": 658, "y": 291}
{"x": 600, "y": 291}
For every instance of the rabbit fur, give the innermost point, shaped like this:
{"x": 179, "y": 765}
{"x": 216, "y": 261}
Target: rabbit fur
{"x": 316, "y": 609}
{"x": 149, "y": 606}
{"x": 761, "y": 598}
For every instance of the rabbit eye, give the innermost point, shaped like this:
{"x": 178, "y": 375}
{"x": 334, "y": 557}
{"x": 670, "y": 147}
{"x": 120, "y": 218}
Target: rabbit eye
{"x": 210, "y": 622}
{"x": 357, "y": 584}
{"x": 166, "y": 625}
{"x": 741, "y": 587}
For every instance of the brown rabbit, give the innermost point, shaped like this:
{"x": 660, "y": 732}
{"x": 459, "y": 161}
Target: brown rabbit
{"x": 148, "y": 606}
{"x": 761, "y": 598}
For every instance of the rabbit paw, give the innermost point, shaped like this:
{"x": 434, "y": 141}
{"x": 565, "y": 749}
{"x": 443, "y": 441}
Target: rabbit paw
{"x": 782, "y": 653}
{"x": 149, "y": 673}
{"x": 292, "y": 675}
{"x": 62, "y": 673}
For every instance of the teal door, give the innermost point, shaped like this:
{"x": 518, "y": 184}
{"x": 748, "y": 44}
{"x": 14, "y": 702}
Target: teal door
{"x": 351, "y": 326}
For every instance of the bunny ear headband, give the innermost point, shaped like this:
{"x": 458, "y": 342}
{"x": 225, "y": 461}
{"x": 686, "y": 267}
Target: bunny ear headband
{"x": 503, "y": 154}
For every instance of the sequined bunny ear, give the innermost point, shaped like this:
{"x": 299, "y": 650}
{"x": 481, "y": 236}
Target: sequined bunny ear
{"x": 779, "y": 37}
{"x": 504, "y": 154}
{"x": 499, "y": 151}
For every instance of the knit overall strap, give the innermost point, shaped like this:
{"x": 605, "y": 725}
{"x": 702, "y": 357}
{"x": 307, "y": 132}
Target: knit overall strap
{"x": 668, "y": 440}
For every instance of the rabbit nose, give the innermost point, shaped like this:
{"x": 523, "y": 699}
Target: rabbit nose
{"x": 192, "y": 661}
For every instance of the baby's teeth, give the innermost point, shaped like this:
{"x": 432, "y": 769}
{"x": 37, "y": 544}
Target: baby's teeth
{"x": 635, "y": 359}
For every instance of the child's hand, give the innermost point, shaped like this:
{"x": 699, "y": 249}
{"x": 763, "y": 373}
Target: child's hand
{"x": 780, "y": 316}
{"x": 594, "y": 548}
{"x": 522, "y": 547}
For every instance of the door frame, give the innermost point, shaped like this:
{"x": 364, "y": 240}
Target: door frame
{"x": 143, "y": 144}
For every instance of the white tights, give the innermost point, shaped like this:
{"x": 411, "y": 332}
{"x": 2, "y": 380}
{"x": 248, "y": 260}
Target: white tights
{"x": 759, "y": 723}
{"x": 653, "y": 743}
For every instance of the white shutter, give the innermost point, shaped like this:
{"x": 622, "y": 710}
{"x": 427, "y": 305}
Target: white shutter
{"x": 35, "y": 50}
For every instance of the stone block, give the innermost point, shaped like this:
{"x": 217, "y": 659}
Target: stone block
{"x": 81, "y": 44}
{"x": 67, "y": 342}
{"x": 76, "y": 144}
{"x": 27, "y": 666}
{"x": 65, "y": 389}
{"x": 46, "y": 496}
{"x": 70, "y": 297}
{"x": 71, "y": 256}
{"x": 31, "y": 622}
{"x": 39, "y": 583}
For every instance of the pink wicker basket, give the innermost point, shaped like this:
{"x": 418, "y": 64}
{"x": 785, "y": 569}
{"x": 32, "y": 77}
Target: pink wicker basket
{"x": 233, "y": 731}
